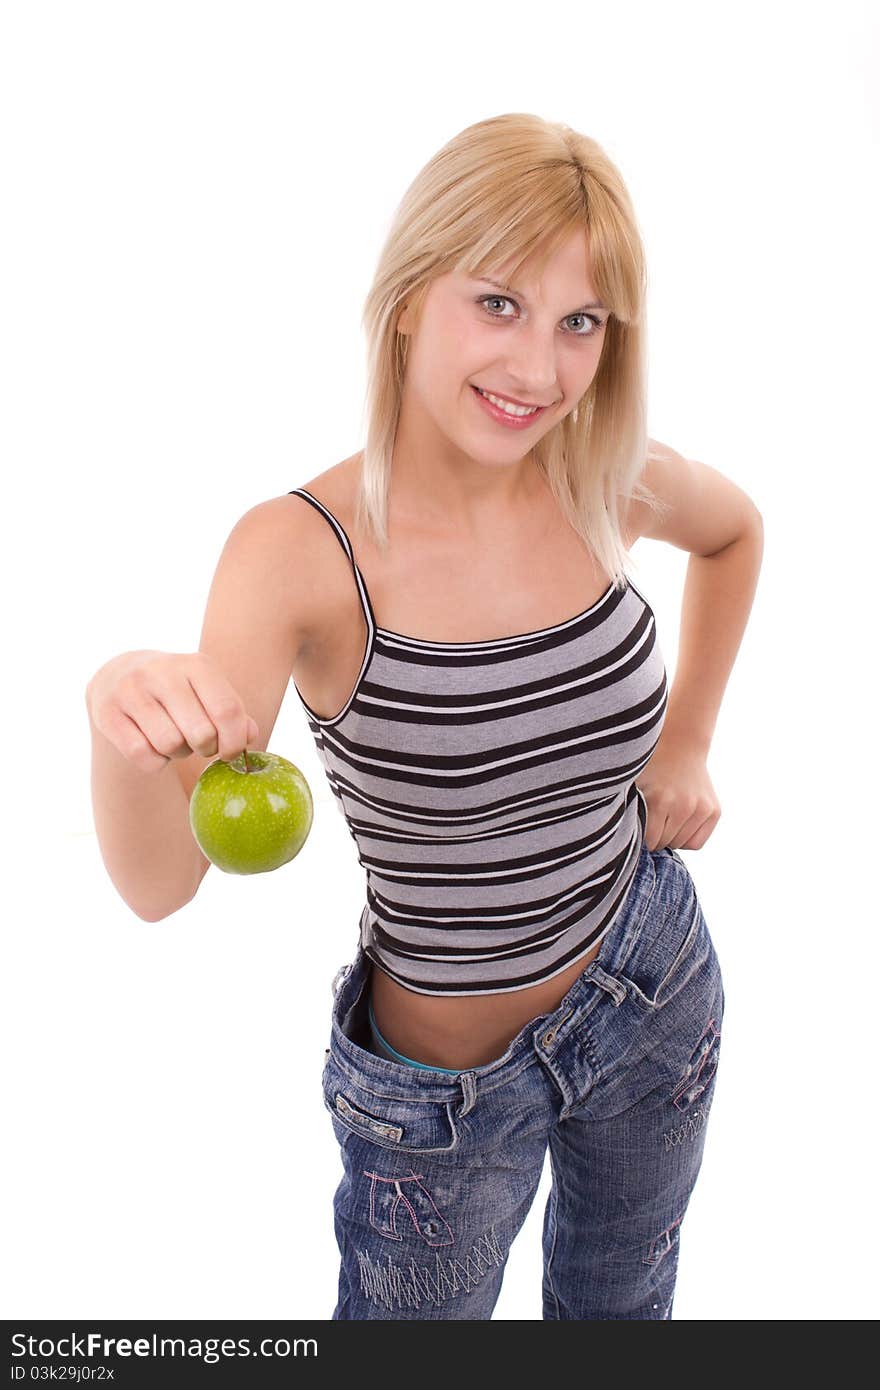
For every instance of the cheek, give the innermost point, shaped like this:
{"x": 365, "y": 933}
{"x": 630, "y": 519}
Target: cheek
{"x": 450, "y": 356}
{"x": 465, "y": 349}
{"x": 582, "y": 374}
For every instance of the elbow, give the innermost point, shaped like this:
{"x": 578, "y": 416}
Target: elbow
{"x": 158, "y": 914}
{"x": 149, "y": 916}
{"x": 752, "y": 527}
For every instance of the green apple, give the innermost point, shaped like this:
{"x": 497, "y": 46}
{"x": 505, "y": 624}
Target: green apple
{"x": 251, "y": 815}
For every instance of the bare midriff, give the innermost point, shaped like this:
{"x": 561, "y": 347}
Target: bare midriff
{"x": 415, "y": 588}
{"x": 467, "y": 1031}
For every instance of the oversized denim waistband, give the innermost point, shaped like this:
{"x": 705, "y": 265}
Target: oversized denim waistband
{"x": 535, "y": 1037}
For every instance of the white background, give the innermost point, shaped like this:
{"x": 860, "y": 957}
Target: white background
{"x": 195, "y": 195}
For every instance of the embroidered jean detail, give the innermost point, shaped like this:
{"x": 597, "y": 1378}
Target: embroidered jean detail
{"x": 411, "y": 1285}
{"x": 391, "y": 1198}
{"x": 689, "y": 1130}
{"x": 700, "y": 1069}
{"x": 662, "y": 1244}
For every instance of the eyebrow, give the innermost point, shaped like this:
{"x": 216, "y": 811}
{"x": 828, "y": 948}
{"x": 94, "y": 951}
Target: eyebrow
{"x": 497, "y": 284}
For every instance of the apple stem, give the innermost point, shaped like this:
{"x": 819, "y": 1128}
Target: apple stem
{"x": 246, "y": 768}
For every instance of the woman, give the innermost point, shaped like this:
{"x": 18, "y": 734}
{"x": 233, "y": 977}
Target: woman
{"x": 533, "y": 967}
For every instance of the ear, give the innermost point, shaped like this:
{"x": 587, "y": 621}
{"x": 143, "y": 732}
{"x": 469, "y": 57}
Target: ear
{"x": 403, "y": 320}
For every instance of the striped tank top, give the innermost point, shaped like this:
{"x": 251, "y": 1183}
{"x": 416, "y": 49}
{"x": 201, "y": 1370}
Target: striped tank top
{"x": 489, "y": 788}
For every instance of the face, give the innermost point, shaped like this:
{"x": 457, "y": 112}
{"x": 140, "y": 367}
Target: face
{"x": 538, "y": 343}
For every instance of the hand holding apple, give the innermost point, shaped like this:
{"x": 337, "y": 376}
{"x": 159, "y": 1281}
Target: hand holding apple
{"x": 154, "y": 706}
{"x": 253, "y": 814}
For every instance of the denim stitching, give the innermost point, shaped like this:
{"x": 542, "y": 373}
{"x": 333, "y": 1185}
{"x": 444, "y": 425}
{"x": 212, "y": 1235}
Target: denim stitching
{"x": 433, "y": 1229}
{"x": 663, "y": 1243}
{"x": 694, "y": 1082}
{"x": 408, "y": 1286}
{"x": 691, "y": 1127}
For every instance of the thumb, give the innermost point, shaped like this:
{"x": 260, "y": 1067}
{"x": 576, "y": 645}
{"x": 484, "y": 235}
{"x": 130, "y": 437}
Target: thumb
{"x": 253, "y": 732}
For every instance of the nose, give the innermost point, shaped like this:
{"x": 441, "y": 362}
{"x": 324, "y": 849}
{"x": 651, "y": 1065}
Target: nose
{"x": 531, "y": 365}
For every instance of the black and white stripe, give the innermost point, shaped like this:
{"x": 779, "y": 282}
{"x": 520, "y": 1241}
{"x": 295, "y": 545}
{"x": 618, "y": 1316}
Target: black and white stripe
{"x": 490, "y": 790}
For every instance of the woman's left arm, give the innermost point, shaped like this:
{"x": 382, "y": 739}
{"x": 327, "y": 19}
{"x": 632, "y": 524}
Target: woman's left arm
{"x": 721, "y": 527}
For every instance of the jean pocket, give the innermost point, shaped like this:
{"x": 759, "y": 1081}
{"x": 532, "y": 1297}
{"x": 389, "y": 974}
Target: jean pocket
{"x": 692, "y": 922}
{"x": 701, "y": 1067}
{"x": 406, "y": 1125}
{"x": 663, "y": 966}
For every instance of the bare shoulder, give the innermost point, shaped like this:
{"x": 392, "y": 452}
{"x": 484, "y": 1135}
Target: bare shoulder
{"x": 336, "y": 487}
{"x": 284, "y": 550}
{"x": 320, "y": 571}
{"x": 700, "y": 510}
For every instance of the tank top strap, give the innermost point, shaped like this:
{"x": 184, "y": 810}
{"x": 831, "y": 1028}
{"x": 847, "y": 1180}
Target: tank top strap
{"x": 342, "y": 537}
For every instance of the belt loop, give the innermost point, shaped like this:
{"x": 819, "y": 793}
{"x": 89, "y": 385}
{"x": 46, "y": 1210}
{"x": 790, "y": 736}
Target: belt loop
{"x": 469, "y": 1090}
{"x": 339, "y": 977}
{"x": 607, "y": 982}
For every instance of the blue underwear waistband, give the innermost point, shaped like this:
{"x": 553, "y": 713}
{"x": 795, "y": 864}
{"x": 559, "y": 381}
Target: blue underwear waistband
{"x": 385, "y": 1049}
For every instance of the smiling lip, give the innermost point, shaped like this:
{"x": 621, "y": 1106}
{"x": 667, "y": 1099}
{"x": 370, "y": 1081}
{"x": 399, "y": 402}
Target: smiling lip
{"x": 506, "y": 418}
{"x": 529, "y": 405}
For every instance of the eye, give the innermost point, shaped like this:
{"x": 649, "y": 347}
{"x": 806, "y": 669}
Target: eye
{"x": 485, "y": 300}
{"x": 590, "y": 318}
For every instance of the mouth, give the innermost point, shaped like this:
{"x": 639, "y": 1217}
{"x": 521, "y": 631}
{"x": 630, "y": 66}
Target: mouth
{"x": 506, "y": 412}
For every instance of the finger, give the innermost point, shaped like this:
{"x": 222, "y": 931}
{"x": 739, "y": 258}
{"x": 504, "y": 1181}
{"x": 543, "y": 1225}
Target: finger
{"x": 129, "y": 739}
{"x": 656, "y": 834}
{"x": 224, "y": 707}
{"x": 175, "y": 723}
{"x": 695, "y": 833}
{"x": 182, "y": 710}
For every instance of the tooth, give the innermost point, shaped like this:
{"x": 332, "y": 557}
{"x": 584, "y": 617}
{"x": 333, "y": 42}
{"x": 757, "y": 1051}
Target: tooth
{"x": 507, "y": 407}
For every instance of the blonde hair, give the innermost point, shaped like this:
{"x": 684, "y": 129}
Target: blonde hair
{"x": 512, "y": 188}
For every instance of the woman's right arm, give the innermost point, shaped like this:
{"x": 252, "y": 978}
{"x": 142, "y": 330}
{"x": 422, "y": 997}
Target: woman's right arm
{"x": 157, "y": 719}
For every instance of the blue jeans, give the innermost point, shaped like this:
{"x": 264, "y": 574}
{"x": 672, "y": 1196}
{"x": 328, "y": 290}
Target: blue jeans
{"x": 440, "y": 1169}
